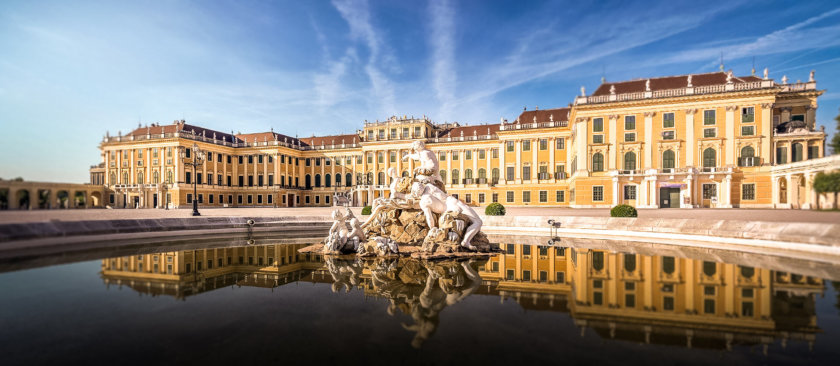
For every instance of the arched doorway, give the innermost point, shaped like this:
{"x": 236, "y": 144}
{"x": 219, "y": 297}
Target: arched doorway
{"x": 5, "y": 200}
{"x": 782, "y": 190}
{"x": 79, "y": 200}
{"x": 96, "y": 199}
{"x": 63, "y": 199}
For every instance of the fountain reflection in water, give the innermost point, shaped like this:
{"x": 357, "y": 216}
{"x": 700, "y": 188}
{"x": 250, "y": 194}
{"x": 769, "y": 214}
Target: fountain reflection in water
{"x": 696, "y": 302}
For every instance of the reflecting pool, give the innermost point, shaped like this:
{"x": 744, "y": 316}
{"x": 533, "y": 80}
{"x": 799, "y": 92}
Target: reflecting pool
{"x": 581, "y": 301}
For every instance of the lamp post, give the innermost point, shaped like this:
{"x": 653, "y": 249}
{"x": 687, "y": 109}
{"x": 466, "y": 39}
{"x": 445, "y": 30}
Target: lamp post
{"x": 194, "y": 159}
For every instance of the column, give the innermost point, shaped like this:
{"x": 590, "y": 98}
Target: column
{"x": 690, "y": 280}
{"x": 642, "y": 198}
{"x": 810, "y": 116}
{"x": 534, "y": 160}
{"x": 613, "y": 132}
{"x": 474, "y": 154}
{"x": 487, "y": 155}
{"x": 517, "y": 170}
{"x": 461, "y": 159}
{"x": 353, "y": 175}
{"x": 387, "y": 164}
{"x": 729, "y": 127}
{"x": 265, "y": 169}
{"x": 654, "y": 193}
{"x": 13, "y": 198}
{"x": 132, "y": 160}
{"x": 648, "y": 147}
{"x": 727, "y": 192}
{"x": 581, "y": 140}
{"x": 551, "y": 151}
{"x": 689, "y": 137}
{"x": 615, "y": 192}
{"x": 775, "y": 191}
{"x": 767, "y": 154}
{"x": 810, "y": 193}
{"x": 793, "y": 190}
{"x": 502, "y": 168}
{"x": 332, "y": 173}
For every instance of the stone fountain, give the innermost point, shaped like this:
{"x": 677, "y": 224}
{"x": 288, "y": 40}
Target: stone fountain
{"x": 418, "y": 219}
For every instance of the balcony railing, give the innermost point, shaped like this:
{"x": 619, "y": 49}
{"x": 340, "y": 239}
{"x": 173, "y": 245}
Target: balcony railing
{"x": 532, "y": 125}
{"x": 543, "y": 176}
{"x": 706, "y": 89}
{"x": 561, "y": 175}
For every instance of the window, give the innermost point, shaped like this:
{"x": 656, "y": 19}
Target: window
{"x": 543, "y": 196}
{"x": 629, "y": 122}
{"x": 509, "y": 173}
{"x": 747, "y": 308}
{"x": 495, "y": 198}
{"x": 526, "y": 275}
{"x": 748, "y": 191}
{"x": 380, "y": 158}
{"x": 597, "y": 125}
{"x": 598, "y": 265}
{"x": 747, "y": 114}
{"x": 526, "y": 196}
{"x": 494, "y": 153}
{"x": 260, "y": 159}
{"x": 747, "y": 293}
{"x": 668, "y": 135}
{"x": 250, "y": 159}
{"x": 629, "y": 262}
{"x": 668, "y": 265}
{"x": 509, "y": 146}
{"x": 668, "y": 303}
{"x": 526, "y": 250}
{"x": 259, "y": 198}
{"x": 709, "y": 191}
{"x": 630, "y": 137}
{"x": 629, "y": 192}
{"x": 526, "y": 145}
{"x": 189, "y": 197}
{"x": 509, "y": 196}
{"x": 392, "y": 156}
{"x": 630, "y": 300}
{"x": 455, "y": 176}
{"x": 468, "y": 155}
{"x": 709, "y": 132}
{"x": 510, "y": 249}
{"x": 442, "y": 174}
{"x": 560, "y": 196}
{"x": 442, "y": 156}
{"x": 813, "y": 152}
{"x": 747, "y": 130}
{"x": 509, "y": 275}
{"x": 598, "y": 193}
{"x": 481, "y": 198}
{"x": 526, "y": 172}
{"x": 709, "y": 306}
{"x": 598, "y": 298}
{"x": 668, "y": 120}
{"x": 560, "y": 277}
{"x": 454, "y": 155}
{"x": 668, "y": 159}
{"x": 630, "y": 161}
{"x": 468, "y": 198}
{"x": 709, "y": 158}
{"x": 797, "y": 153}
{"x": 543, "y": 144}
{"x": 709, "y": 117}
{"x": 598, "y": 162}
{"x": 560, "y": 144}
{"x": 597, "y": 139}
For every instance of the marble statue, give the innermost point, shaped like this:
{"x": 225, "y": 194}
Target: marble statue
{"x": 428, "y": 165}
{"x": 766, "y": 72}
{"x": 346, "y": 233}
{"x": 647, "y": 85}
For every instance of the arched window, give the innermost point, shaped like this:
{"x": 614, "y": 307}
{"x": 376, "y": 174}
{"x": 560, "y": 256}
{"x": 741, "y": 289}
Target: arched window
{"x": 709, "y": 158}
{"x": 629, "y": 160}
{"x": 598, "y": 162}
{"x": 709, "y": 268}
{"x": 369, "y": 178}
{"x": 598, "y": 261}
{"x": 114, "y": 179}
{"x": 668, "y": 265}
{"x": 169, "y": 177}
{"x": 747, "y": 272}
{"x": 747, "y": 152}
{"x": 125, "y": 178}
{"x": 155, "y": 177}
{"x": 317, "y": 180}
{"x": 668, "y": 159}
{"x": 338, "y": 179}
{"x": 455, "y": 176}
{"x": 327, "y": 180}
{"x": 629, "y": 262}
{"x": 482, "y": 174}
{"x": 307, "y": 181}
{"x": 380, "y": 178}
{"x": 797, "y": 152}
{"x": 494, "y": 175}
{"x": 348, "y": 179}
{"x": 468, "y": 174}
{"x": 442, "y": 175}
{"x": 140, "y": 177}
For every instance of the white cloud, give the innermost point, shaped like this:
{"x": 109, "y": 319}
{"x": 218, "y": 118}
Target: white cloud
{"x": 442, "y": 41}
{"x": 357, "y": 15}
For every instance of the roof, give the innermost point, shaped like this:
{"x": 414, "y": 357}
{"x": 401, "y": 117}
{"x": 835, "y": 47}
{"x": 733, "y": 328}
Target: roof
{"x": 470, "y": 130}
{"x": 671, "y": 82}
{"x": 545, "y": 115}
{"x": 329, "y": 140}
{"x": 178, "y": 127}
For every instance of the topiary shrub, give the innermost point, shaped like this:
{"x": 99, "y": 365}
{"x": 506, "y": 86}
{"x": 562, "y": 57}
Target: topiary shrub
{"x": 495, "y": 209}
{"x": 366, "y": 210}
{"x": 624, "y": 211}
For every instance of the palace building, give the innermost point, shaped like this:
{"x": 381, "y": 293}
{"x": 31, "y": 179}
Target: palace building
{"x": 701, "y": 140}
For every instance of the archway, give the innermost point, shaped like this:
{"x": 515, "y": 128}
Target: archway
{"x": 96, "y": 199}
{"x": 5, "y": 200}
{"x": 783, "y": 190}
{"x": 63, "y": 199}
{"x": 79, "y": 199}
{"x": 23, "y": 199}
{"x": 43, "y": 198}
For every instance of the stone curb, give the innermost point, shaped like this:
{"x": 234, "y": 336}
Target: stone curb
{"x": 47, "y": 229}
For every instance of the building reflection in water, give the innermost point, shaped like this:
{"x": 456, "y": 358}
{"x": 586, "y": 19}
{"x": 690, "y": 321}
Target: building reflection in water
{"x": 656, "y": 299}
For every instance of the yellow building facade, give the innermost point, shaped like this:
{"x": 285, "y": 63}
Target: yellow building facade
{"x": 703, "y": 140}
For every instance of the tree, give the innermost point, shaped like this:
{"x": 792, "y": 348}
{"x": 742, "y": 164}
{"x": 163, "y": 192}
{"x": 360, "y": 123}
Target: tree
{"x": 827, "y": 183}
{"x": 835, "y": 141}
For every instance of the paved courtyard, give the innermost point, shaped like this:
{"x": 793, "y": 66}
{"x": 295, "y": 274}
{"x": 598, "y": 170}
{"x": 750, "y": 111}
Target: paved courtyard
{"x": 725, "y": 214}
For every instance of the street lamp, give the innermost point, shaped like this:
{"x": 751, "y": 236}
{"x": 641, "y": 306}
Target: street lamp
{"x": 198, "y": 158}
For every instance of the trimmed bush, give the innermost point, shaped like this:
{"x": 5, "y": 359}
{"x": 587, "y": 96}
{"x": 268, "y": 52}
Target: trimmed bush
{"x": 366, "y": 210}
{"x": 624, "y": 211}
{"x": 495, "y": 209}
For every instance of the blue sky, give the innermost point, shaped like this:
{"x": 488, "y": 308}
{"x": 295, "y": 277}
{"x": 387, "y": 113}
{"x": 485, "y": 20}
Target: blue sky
{"x": 69, "y": 71}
